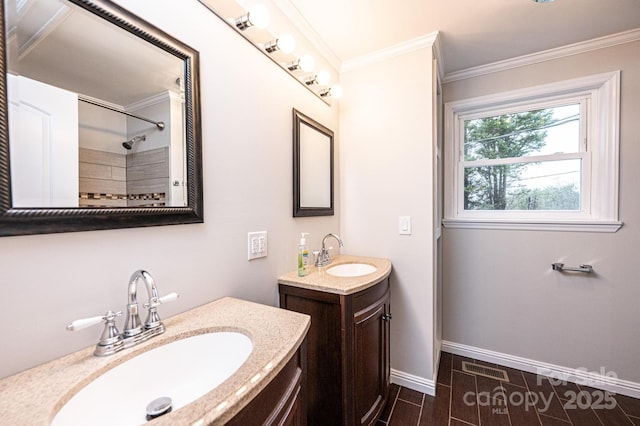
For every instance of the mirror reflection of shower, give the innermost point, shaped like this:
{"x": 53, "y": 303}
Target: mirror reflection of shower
{"x": 129, "y": 144}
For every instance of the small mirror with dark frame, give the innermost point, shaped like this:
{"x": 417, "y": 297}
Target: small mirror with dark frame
{"x": 312, "y": 167}
{"x": 128, "y": 95}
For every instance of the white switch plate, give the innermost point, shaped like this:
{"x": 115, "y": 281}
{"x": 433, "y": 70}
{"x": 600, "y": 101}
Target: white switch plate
{"x": 257, "y": 245}
{"x": 404, "y": 225}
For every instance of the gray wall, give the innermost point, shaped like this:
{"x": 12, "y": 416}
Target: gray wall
{"x": 499, "y": 291}
{"x": 49, "y": 280}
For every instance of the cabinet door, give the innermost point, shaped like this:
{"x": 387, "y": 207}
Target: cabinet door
{"x": 371, "y": 368}
{"x": 283, "y": 401}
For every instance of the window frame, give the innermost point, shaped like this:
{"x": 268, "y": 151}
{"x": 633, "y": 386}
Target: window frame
{"x": 599, "y": 98}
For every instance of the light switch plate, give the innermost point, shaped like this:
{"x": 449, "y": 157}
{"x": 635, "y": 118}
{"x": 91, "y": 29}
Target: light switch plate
{"x": 404, "y": 225}
{"x": 257, "y": 245}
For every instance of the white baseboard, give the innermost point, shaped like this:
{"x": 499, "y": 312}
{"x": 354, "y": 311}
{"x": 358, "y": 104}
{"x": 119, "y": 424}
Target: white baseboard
{"x": 598, "y": 380}
{"x": 416, "y": 383}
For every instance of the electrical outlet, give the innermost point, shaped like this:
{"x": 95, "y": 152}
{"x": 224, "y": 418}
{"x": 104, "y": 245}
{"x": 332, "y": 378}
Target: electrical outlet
{"x": 257, "y": 245}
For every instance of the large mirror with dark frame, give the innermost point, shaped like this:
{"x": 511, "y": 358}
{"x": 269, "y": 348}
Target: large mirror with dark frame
{"x": 312, "y": 167}
{"x": 99, "y": 120}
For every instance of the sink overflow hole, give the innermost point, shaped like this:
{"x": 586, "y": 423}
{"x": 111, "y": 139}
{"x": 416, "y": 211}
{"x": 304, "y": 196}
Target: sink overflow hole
{"x": 158, "y": 407}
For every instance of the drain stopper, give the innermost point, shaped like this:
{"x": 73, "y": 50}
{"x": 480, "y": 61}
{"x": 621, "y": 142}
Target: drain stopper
{"x": 158, "y": 407}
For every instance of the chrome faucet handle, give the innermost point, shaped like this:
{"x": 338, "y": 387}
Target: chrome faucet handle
{"x": 110, "y": 340}
{"x": 110, "y": 334}
{"x": 153, "y": 321}
{"x": 88, "y": 322}
{"x": 157, "y": 301}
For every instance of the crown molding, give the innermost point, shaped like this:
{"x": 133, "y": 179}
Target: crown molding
{"x": 300, "y": 22}
{"x": 152, "y": 100}
{"x": 427, "y": 40}
{"x": 545, "y": 55}
{"x": 437, "y": 53}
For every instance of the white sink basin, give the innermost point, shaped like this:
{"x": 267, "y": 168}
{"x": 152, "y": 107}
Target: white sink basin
{"x": 183, "y": 370}
{"x": 351, "y": 269}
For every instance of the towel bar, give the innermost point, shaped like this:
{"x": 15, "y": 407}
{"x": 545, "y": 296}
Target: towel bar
{"x": 582, "y": 268}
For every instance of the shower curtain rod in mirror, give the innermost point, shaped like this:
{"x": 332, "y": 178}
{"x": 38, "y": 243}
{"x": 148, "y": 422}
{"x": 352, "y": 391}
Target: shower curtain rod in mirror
{"x": 159, "y": 124}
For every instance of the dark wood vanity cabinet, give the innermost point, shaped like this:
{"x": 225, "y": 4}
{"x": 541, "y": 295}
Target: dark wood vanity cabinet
{"x": 283, "y": 401}
{"x": 348, "y": 352}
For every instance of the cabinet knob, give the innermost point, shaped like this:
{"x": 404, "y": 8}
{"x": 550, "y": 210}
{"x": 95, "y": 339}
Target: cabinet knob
{"x": 386, "y": 317}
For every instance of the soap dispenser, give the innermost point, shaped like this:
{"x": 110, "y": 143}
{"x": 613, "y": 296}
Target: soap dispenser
{"x": 303, "y": 256}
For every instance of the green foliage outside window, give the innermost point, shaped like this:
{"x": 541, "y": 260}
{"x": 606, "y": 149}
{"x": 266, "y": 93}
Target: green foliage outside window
{"x": 499, "y": 186}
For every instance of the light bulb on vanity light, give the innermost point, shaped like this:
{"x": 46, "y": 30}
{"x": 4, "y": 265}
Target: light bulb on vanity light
{"x": 322, "y": 78}
{"x": 285, "y": 43}
{"x": 305, "y": 64}
{"x": 335, "y": 92}
{"x": 258, "y": 16}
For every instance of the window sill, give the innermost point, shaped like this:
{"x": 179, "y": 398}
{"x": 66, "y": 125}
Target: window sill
{"x": 534, "y": 225}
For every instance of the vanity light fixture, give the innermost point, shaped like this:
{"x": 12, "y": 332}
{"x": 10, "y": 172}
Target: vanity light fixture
{"x": 305, "y": 64}
{"x": 321, "y": 78}
{"x": 334, "y": 91}
{"x": 544, "y": 1}
{"x": 258, "y": 16}
{"x": 285, "y": 43}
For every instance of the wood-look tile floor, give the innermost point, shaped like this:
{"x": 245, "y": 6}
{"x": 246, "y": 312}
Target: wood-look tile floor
{"x": 526, "y": 399}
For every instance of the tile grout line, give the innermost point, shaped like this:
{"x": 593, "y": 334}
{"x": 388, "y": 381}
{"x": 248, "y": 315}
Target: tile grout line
{"x": 555, "y": 392}
{"x": 596, "y": 413}
{"x": 421, "y": 408}
{"x": 460, "y": 420}
{"x": 528, "y": 395}
{"x": 450, "y": 392}
{"x": 475, "y": 383}
{"x": 409, "y": 402}
{"x": 393, "y": 407}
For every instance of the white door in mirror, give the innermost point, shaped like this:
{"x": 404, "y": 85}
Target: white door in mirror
{"x": 44, "y": 144}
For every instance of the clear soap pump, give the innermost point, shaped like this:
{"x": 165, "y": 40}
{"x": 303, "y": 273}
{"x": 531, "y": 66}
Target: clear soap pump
{"x": 303, "y": 256}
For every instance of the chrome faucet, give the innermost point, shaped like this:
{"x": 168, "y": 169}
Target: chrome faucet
{"x": 132, "y": 324}
{"x": 323, "y": 257}
{"x": 111, "y": 341}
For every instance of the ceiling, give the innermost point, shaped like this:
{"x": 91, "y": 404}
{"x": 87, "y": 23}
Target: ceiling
{"x": 472, "y": 32}
{"x": 61, "y": 44}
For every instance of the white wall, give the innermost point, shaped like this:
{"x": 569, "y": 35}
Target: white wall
{"x": 386, "y": 153}
{"x": 499, "y": 291}
{"x": 49, "y": 280}
{"x": 101, "y": 129}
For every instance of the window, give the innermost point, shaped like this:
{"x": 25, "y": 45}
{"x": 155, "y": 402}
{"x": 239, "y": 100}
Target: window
{"x": 540, "y": 158}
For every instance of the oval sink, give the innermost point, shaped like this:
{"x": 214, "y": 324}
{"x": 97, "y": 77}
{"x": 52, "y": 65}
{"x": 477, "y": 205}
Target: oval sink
{"x": 183, "y": 370}
{"x": 351, "y": 269}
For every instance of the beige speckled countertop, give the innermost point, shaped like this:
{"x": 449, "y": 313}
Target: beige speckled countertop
{"x": 319, "y": 279}
{"x": 34, "y": 396}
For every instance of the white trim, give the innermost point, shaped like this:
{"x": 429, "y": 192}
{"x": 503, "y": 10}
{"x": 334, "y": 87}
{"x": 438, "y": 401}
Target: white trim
{"x": 425, "y": 41}
{"x": 573, "y": 375}
{"x": 152, "y": 100}
{"x": 522, "y": 225}
{"x": 300, "y": 22}
{"x": 82, "y": 96}
{"x": 416, "y": 383}
{"x": 600, "y": 204}
{"x": 437, "y": 53}
{"x": 546, "y": 55}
